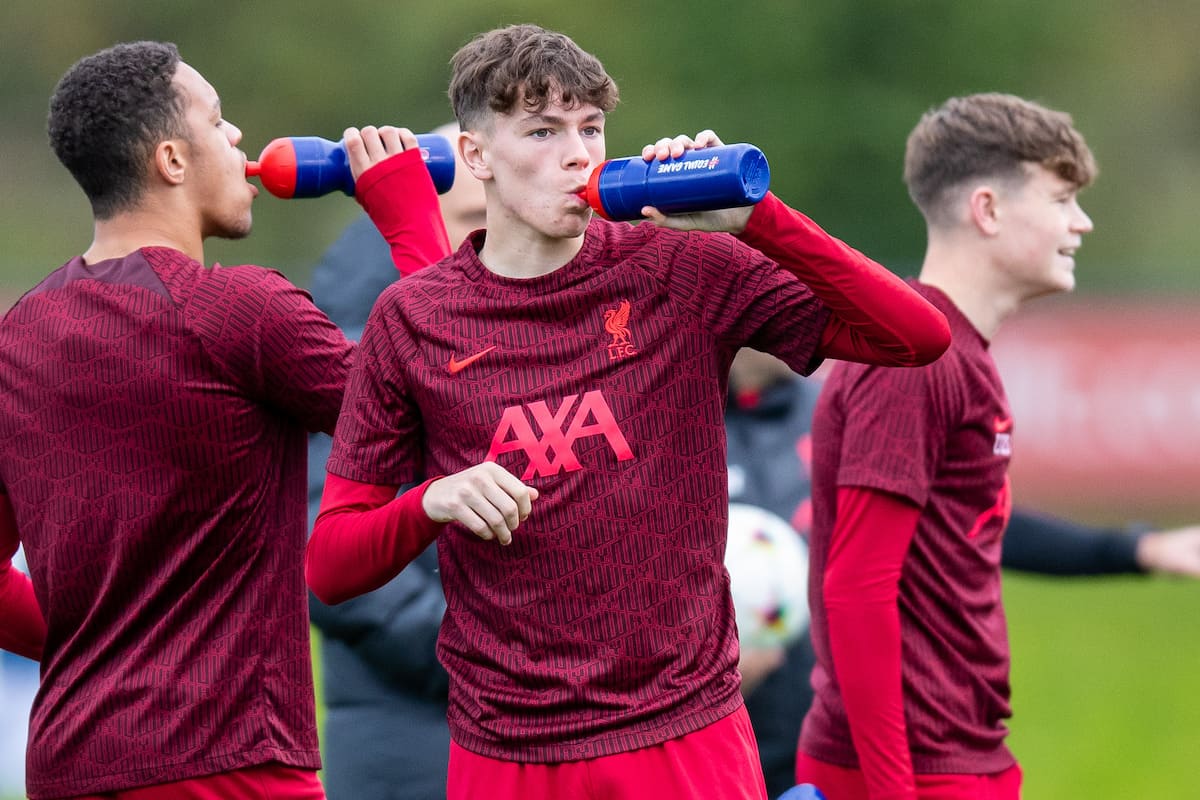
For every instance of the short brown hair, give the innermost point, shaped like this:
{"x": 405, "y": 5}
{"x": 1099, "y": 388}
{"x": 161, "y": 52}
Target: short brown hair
{"x": 989, "y": 135}
{"x": 525, "y": 64}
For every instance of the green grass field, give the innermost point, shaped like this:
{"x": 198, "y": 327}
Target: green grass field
{"x": 1105, "y": 673}
{"x": 1105, "y": 677}
{"x": 1104, "y": 686}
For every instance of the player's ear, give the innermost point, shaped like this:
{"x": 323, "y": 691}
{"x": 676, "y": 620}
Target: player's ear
{"x": 983, "y": 208}
{"x": 472, "y": 153}
{"x": 170, "y": 161}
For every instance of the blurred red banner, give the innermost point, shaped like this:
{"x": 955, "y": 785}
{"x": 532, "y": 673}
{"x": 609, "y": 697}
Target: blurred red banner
{"x": 1106, "y": 398}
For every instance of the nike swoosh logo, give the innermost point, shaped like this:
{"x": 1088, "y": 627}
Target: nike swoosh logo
{"x": 457, "y": 366}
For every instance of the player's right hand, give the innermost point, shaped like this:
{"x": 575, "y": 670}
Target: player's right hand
{"x": 722, "y": 220}
{"x": 487, "y": 499}
{"x": 367, "y": 147}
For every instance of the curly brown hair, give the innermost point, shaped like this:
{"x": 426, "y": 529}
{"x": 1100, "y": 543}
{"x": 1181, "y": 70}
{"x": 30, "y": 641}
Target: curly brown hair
{"x": 108, "y": 113}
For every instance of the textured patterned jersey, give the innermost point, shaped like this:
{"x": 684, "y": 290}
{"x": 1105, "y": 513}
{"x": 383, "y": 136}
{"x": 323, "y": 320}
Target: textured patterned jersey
{"x": 607, "y": 625}
{"x": 152, "y": 443}
{"x": 940, "y": 436}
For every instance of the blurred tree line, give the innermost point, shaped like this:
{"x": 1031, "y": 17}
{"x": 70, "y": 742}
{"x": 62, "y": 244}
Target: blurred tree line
{"x": 828, "y": 89}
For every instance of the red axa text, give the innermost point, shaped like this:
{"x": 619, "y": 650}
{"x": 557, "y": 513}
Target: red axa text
{"x": 551, "y": 452}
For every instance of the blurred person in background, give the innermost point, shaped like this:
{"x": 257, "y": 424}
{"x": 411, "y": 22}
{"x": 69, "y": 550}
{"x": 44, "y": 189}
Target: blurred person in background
{"x": 768, "y": 422}
{"x": 910, "y": 474}
{"x": 153, "y": 426}
{"x": 385, "y": 734}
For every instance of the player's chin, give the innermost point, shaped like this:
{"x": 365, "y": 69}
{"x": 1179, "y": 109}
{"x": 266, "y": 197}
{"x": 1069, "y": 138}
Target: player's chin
{"x": 574, "y": 225}
{"x": 1059, "y": 283}
{"x": 234, "y": 229}
{"x": 1065, "y": 279}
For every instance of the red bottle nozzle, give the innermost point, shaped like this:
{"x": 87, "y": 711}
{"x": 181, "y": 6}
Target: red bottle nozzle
{"x": 591, "y": 194}
{"x": 276, "y": 167}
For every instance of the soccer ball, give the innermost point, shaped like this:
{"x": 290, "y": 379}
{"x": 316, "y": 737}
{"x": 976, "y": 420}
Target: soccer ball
{"x": 767, "y": 562}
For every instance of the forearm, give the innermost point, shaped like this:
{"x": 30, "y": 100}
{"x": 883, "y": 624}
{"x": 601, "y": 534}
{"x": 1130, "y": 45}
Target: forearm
{"x": 865, "y": 642}
{"x": 876, "y": 317}
{"x": 861, "y": 590}
{"x": 363, "y": 537}
{"x": 399, "y": 197}
{"x": 1051, "y": 546}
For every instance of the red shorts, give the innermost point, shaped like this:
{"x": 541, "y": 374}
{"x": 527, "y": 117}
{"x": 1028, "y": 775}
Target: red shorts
{"x": 842, "y": 783}
{"x": 264, "y": 782}
{"x": 720, "y": 760}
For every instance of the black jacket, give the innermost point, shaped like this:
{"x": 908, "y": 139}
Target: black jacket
{"x": 385, "y": 735}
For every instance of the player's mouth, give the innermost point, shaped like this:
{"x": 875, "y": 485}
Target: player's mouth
{"x": 1068, "y": 252}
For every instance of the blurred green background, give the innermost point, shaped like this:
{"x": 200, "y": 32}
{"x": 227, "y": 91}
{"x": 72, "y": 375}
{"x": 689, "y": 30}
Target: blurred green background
{"x": 828, "y": 89}
{"x": 1105, "y": 672}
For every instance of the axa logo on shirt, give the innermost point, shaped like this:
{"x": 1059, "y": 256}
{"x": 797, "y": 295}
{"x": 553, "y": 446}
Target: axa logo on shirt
{"x": 552, "y": 452}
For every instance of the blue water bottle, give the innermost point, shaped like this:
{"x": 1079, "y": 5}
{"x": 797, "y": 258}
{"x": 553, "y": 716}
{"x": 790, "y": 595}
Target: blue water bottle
{"x": 803, "y": 791}
{"x": 725, "y": 176}
{"x": 309, "y": 166}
